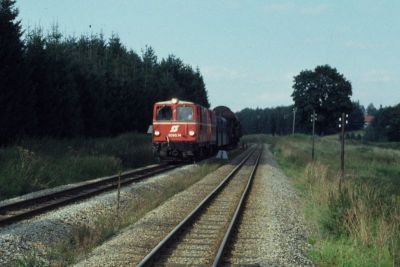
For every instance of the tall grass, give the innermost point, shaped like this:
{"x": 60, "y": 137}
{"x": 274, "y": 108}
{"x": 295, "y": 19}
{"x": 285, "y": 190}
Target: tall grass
{"x": 35, "y": 164}
{"x": 355, "y": 222}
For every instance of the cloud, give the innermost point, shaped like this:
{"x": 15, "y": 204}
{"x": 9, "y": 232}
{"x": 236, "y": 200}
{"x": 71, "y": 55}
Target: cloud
{"x": 232, "y": 4}
{"x": 222, "y": 73}
{"x": 359, "y": 45}
{"x": 270, "y": 98}
{"x": 314, "y": 10}
{"x": 296, "y": 7}
{"x": 377, "y": 76}
{"x": 282, "y": 7}
{"x": 314, "y": 40}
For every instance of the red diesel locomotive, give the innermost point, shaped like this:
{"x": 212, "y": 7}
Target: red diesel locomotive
{"x": 184, "y": 130}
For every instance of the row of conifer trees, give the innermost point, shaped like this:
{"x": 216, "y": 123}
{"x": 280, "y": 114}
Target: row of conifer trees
{"x": 57, "y": 86}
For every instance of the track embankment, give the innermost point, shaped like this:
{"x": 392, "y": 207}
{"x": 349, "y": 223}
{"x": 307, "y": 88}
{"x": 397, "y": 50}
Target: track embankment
{"x": 270, "y": 231}
{"x": 48, "y": 232}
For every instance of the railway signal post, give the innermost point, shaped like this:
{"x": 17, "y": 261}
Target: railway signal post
{"x": 294, "y": 119}
{"x": 313, "y": 119}
{"x": 343, "y": 121}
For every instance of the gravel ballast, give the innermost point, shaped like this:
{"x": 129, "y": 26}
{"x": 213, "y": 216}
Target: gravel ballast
{"x": 130, "y": 246}
{"x": 271, "y": 232}
{"x": 199, "y": 240}
{"x": 44, "y": 232}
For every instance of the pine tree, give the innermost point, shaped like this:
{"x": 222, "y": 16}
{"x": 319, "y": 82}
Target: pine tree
{"x": 37, "y": 63}
{"x": 16, "y": 96}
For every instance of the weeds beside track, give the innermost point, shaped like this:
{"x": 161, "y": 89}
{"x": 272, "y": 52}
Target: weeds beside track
{"x": 357, "y": 223}
{"x": 36, "y": 164}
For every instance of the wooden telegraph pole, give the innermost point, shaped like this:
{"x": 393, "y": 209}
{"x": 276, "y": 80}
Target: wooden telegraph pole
{"x": 342, "y": 124}
{"x": 313, "y": 119}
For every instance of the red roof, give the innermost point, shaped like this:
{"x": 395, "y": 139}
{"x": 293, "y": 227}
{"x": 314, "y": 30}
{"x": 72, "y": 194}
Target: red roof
{"x": 369, "y": 118}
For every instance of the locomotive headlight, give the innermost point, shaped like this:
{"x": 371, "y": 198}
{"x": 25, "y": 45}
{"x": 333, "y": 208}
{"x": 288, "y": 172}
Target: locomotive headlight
{"x": 156, "y": 133}
{"x": 174, "y": 100}
{"x": 191, "y": 133}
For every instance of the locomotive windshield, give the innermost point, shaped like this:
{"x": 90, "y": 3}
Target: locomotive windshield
{"x": 164, "y": 113}
{"x": 184, "y": 113}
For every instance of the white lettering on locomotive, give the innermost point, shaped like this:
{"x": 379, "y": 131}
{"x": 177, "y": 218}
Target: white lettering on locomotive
{"x": 175, "y": 135}
{"x": 174, "y": 128}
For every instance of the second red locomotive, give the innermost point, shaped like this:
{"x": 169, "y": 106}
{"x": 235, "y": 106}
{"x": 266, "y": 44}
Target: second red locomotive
{"x": 184, "y": 130}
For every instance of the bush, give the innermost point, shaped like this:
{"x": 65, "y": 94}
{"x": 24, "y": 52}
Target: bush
{"x": 339, "y": 204}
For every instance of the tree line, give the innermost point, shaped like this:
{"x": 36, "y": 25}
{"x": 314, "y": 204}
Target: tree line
{"x": 323, "y": 92}
{"x": 57, "y": 86}
{"x": 385, "y": 126}
{"x": 326, "y": 93}
{"x": 279, "y": 120}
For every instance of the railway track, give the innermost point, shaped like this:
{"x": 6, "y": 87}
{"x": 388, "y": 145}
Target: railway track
{"x": 202, "y": 237}
{"x": 23, "y": 209}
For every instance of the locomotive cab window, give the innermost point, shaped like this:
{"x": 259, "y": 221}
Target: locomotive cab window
{"x": 164, "y": 113}
{"x": 184, "y": 113}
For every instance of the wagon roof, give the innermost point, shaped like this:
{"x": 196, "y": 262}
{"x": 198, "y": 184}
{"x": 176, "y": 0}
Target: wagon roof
{"x": 169, "y": 102}
{"x": 225, "y": 112}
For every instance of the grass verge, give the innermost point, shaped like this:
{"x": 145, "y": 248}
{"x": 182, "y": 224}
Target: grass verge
{"x": 32, "y": 165}
{"x": 355, "y": 222}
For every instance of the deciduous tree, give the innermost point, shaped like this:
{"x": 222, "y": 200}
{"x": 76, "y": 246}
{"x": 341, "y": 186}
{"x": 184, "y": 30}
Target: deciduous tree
{"x": 325, "y": 91}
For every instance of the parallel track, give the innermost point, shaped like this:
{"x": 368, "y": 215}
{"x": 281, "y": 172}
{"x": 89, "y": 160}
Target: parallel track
{"x": 23, "y": 209}
{"x": 201, "y": 238}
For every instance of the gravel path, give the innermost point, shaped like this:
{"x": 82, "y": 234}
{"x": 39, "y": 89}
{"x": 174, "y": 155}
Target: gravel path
{"x": 45, "y": 231}
{"x": 272, "y": 231}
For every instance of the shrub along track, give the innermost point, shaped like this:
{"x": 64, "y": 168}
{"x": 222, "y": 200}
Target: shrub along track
{"x": 23, "y": 209}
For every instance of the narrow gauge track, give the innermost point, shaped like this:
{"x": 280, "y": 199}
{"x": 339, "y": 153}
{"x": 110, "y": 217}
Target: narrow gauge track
{"x": 201, "y": 238}
{"x": 23, "y": 209}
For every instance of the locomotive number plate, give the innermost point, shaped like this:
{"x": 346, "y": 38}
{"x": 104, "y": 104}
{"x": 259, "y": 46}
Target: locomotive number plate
{"x": 175, "y": 135}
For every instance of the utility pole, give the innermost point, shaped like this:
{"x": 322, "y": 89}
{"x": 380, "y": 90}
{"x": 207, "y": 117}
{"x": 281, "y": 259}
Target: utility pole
{"x": 294, "y": 119}
{"x": 342, "y": 124}
{"x": 313, "y": 119}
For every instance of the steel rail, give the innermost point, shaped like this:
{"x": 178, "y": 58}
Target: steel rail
{"x": 235, "y": 217}
{"x": 23, "y": 209}
{"x": 150, "y": 257}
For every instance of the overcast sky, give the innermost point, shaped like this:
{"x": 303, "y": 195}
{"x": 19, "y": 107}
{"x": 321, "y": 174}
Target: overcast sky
{"x": 248, "y": 51}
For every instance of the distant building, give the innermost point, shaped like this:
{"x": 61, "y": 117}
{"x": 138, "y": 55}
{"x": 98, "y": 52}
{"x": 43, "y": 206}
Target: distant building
{"x": 368, "y": 119}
